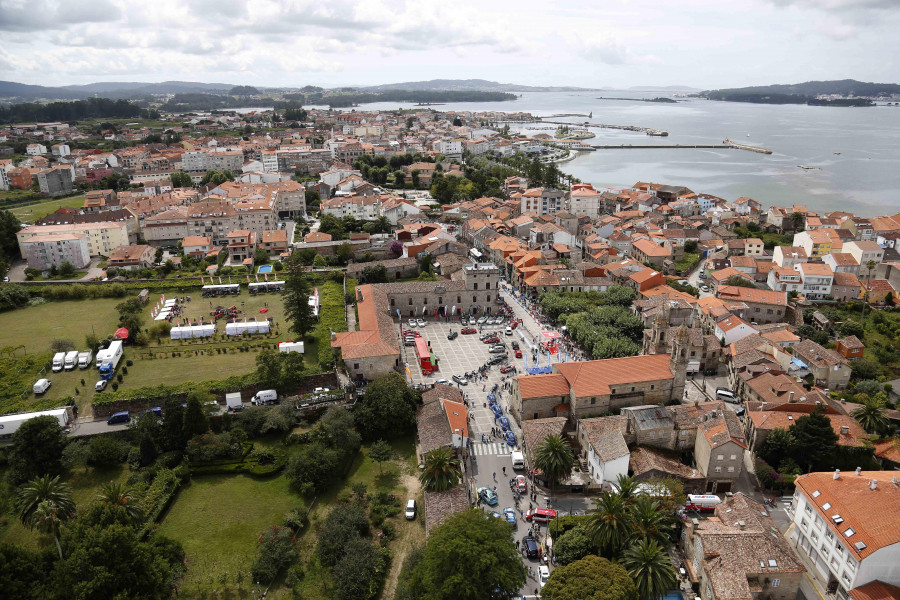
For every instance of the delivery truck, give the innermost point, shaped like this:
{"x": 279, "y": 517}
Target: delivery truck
{"x": 9, "y": 424}
{"x": 71, "y": 360}
{"x": 111, "y": 360}
{"x": 59, "y": 360}
{"x": 84, "y": 359}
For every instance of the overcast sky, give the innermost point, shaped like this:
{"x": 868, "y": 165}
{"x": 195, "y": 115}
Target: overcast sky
{"x": 590, "y": 43}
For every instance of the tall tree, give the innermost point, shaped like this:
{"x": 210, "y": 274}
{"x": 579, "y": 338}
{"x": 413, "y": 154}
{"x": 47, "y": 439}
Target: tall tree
{"x": 195, "y": 421}
{"x": 871, "y": 417}
{"x": 440, "y": 470}
{"x": 381, "y": 452}
{"x": 37, "y": 448}
{"x": 649, "y": 522}
{"x": 554, "y": 457}
{"x": 296, "y": 298}
{"x": 468, "y": 556}
{"x": 387, "y": 410}
{"x": 45, "y": 503}
{"x": 116, "y": 494}
{"x": 815, "y": 442}
{"x": 609, "y": 525}
{"x": 9, "y": 226}
{"x": 650, "y": 567}
{"x": 591, "y": 578}
{"x": 778, "y": 445}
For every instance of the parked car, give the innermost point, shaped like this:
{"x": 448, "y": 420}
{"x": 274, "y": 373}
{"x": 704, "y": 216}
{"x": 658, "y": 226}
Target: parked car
{"x": 452, "y": 335}
{"x": 514, "y": 324}
{"x": 481, "y": 320}
{"x": 100, "y": 385}
{"x": 460, "y": 380}
{"x": 442, "y": 382}
{"x": 409, "y": 341}
{"x": 531, "y": 546}
{"x": 509, "y": 331}
{"x": 491, "y": 340}
{"x": 704, "y": 288}
{"x": 702, "y": 275}
{"x": 468, "y": 330}
{"x": 507, "y": 369}
{"x": 543, "y": 574}
{"x": 511, "y": 438}
{"x": 412, "y": 322}
{"x": 496, "y": 360}
{"x": 518, "y": 354}
{"x": 410, "y": 509}
{"x": 488, "y": 496}
{"x": 119, "y": 417}
{"x": 496, "y": 350}
{"x": 510, "y": 514}
{"x": 504, "y": 423}
{"x": 421, "y": 322}
{"x": 540, "y": 515}
{"x": 521, "y": 484}
{"x": 515, "y": 345}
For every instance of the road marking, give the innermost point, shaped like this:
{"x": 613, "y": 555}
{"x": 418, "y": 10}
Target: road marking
{"x": 488, "y": 449}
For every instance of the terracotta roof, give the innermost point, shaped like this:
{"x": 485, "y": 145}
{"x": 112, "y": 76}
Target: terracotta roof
{"x": 723, "y": 428}
{"x": 440, "y": 506}
{"x": 539, "y": 386}
{"x": 595, "y": 377}
{"x": 651, "y": 249}
{"x": 851, "y": 342}
{"x": 777, "y": 419}
{"x": 376, "y": 328}
{"x": 534, "y": 431}
{"x": 645, "y": 459}
{"x": 876, "y": 590}
{"x": 756, "y": 296}
{"x": 872, "y": 515}
{"x": 888, "y": 450}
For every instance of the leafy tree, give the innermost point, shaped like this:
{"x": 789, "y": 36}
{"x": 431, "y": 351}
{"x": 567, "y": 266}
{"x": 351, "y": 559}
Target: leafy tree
{"x": 116, "y": 494}
{"x": 360, "y": 573}
{"x": 260, "y": 257}
{"x": 778, "y": 445}
{"x": 381, "y": 452}
{"x": 815, "y": 442}
{"x": 738, "y": 281}
{"x": 399, "y": 178}
{"x": 387, "y": 410}
{"x": 591, "y": 578}
{"x": 343, "y": 524}
{"x": 554, "y": 458}
{"x": 871, "y": 417}
{"x": 851, "y": 327}
{"x": 414, "y": 177}
{"x": 195, "y": 422}
{"x": 105, "y": 451}
{"x": 468, "y": 556}
{"x": 180, "y": 179}
{"x": 268, "y": 367}
{"x": 396, "y": 249}
{"x": 23, "y": 573}
{"x": 45, "y": 503}
{"x": 573, "y": 545}
{"x": 440, "y": 470}
{"x": 274, "y": 551}
{"x": 297, "y": 291}
{"x": 172, "y": 435}
{"x": 797, "y": 220}
{"x": 864, "y": 369}
{"x": 66, "y": 269}
{"x": 374, "y": 274}
{"x": 37, "y": 448}
{"x": 344, "y": 253}
{"x": 650, "y": 567}
{"x": 312, "y": 199}
{"x": 9, "y": 226}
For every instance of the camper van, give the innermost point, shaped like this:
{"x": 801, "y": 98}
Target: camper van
{"x": 41, "y": 386}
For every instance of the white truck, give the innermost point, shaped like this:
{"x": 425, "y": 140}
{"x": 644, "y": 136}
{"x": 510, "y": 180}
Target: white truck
{"x": 10, "y": 423}
{"x": 264, "y": 397}
{"x": 518, "y": 460}
{"x": 233, "y": 401}
{"x": 59, "y": 360}
{"x": 71, "y": 360}
{"x": 84, "y": 359}
{"x": 111, "y": 360}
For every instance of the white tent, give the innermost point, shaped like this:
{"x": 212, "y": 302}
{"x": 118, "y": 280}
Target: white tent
{"x": 249, "y": 327}
{"x": 287, "y": 347}
{"x": 192, "y": 331}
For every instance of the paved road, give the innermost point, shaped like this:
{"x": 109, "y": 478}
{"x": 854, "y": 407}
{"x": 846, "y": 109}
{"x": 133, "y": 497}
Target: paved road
{"x": 694, "y": 278}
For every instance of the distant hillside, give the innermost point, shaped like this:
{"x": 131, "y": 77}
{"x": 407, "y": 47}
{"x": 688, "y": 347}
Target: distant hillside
{"x": 22, "y": 91}
{"x": 663, "y": 88}
{"x": 799, "y": 93}
{"x": 165, "y": 87}
{"x": 481, "y": 85}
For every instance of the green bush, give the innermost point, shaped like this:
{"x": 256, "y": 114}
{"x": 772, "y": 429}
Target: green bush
{"x": 105, "y": 451}
{"x": 160, "y": 494}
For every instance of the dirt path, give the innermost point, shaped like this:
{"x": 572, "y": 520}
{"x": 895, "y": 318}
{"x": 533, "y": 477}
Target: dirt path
{"x": 409, "y": 534}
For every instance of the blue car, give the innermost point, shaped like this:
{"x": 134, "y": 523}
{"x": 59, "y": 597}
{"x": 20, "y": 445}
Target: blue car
{"x": 510, "y": 514}
{"x": 504, "y": 423}
{"x": 498, "y": 412}
{"x": 488, "y": 496}
{"x": 510, "y": 438}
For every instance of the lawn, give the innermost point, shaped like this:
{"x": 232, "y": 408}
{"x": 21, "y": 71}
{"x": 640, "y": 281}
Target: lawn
{"x": 36, "y": 326}
{"x": 218, "y": 518}
{"x": 86, "y": 483}
{"x": 33, "y": 212}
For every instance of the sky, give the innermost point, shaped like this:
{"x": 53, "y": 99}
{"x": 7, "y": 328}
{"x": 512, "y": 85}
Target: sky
{"x": 589, "y": 43}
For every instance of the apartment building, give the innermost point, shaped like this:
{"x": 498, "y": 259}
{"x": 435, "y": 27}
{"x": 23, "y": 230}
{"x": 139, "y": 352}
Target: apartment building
{"x": 763, "y": 306}
{"x": 102, "y": 237}
{"x": 542, "y": 201}
{"x": 56, "y": 181}
{"x": 816, "y": 243}
{"x": 167, "y": 227}
{"x": 43, "y": 251}
{"x": 816, "y": 278}
{"x": 864, "y": 251}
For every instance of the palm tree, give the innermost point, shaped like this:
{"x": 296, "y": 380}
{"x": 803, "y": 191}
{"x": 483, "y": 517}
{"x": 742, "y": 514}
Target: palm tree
{"x": 871, "y": 417}
{"x": 608, "y": 525}
{"x": 115, "y": 494}
{"x": 870, "y": 266}
{"x": 46, "y": 503}
{"x": 648, "y": 521}
{"x": 440, "y": 470}
{"x": 626, "y": 487}
{"x": 650, "y": 567}
{"x": 554, "y": 457}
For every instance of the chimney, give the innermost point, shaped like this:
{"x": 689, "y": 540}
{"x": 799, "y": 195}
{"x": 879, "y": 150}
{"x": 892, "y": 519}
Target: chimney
{"x": 874, "y": 484}
{"x": 741, "y": 524}
{"x": 790, "y": 396}
{"x": 858, "y": 469}
{"x": 845, "y": 429}
{"x": 895, "y": 481}
{"x": 837, "y": 474}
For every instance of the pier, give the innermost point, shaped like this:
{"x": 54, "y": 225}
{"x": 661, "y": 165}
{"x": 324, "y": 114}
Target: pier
{"x": 746, "y": 147}
{"x": 724, "y": 146}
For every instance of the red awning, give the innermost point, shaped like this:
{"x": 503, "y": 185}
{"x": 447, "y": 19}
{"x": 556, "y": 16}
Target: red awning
{"x": 121, "y": 333}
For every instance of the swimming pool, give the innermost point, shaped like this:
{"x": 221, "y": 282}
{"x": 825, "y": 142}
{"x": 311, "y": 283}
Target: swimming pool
{"x": 673, "y": 595}
{"x": 264, "y": 269}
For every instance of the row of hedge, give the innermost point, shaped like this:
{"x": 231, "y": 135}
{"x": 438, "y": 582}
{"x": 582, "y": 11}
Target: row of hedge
{"x": 331, "y": 318}
{"x": 159, "y": 494}
{"x": 249, "y": 465}
{"x": 158, "y": 393}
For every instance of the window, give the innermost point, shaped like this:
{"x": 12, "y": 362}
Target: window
{"x": 652, "y": 386}
{"x": 487, "y": 285}
{"x": 731, "y": 469}
{"x": 734, "y": 457}
{"x": 776, "y": 582}
{"x": 826, "y": 506}
{"x": 392, "y": 301}
{"x": 474, "y": 298}
{"x": 459, "y": 299}
{"x": 720, "y": 457}
{"x": 683, "y": 433}
{"x": 718, "y": 469}
{"x": 356, "y": 365}
{"x": 410, "y": 301}
{"x": 632, "y": 388}
{"x": 488, "y": 298}
{"x": 808, "y": 509}
{"x": 593, "y": 401}
{"x": 849, "y": 532}
{"x": 476, "y": 287}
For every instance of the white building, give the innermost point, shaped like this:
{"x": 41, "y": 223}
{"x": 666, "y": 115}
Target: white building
{"x": 864, "y": 251}
{"x": 604, "y": 448}
{"x": 44, "y": 251}
{"x": 817, "y": 279}
{"x": 848, "y": 526}
{"x": 35, "y": 149}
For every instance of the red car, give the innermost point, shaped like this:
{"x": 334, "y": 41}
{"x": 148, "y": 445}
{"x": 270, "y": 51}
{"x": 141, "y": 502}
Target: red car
{"x": 491, "y": 340}
{"x": 467, "y": 330}
{"x": 506, "y": 368}
{"x": 514, "y": 324}
{"x": 518, "y": 354}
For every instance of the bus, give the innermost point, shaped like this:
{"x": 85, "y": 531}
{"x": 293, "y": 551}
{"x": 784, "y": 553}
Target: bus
{"x": 423, "y": 355}
{"x": 211, "y": 291}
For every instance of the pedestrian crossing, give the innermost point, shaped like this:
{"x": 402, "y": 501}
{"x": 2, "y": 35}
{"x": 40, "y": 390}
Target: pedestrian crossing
{"x": 492, "y": 448}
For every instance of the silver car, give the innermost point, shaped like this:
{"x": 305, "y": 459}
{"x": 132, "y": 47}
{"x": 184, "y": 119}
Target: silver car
{"x": 421, "y": 323}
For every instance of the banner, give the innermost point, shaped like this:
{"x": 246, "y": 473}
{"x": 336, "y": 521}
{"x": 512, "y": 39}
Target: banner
{"x": 220, "y": 280}
{"x": 248, "y": 279}
{"x": 201, "y": 281}
{"x": 266, "y": 275}
{"x": 229, "y": 279}
{"x": 257, "y": 277}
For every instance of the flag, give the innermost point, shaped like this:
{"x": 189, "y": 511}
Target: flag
{"x": 201, "y": 281}
{"x": 248, "y": 279}
{"x": 257, "y": 277}
{"x": 266, "y": 275}
{"x": 229, "y": 279}
{"x": 220, "y": 280}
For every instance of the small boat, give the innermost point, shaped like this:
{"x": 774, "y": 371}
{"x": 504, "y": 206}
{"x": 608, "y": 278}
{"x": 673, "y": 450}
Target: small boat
{"x": 808, "y": 168}
{"x": 837, "y": 152}
{"x": 748, "y": 135}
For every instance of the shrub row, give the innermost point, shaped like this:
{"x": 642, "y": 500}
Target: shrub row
{"x": 150, "y": 394}
{"x": 160, "y": 494}
{"x": 249, "y": 465}
{"x": 331, "y": 318}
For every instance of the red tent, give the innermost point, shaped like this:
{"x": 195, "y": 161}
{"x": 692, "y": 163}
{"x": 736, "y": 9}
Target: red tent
{"x": 121, "y": 333}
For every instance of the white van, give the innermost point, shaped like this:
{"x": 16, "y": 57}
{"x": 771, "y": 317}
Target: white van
{"x": 264, "y": 397}
{"x": 726, "y": 395}
{"x": 41, "y": 386}
{"x": 59, "y": 360}
{"x": 518, "y": 460}
{"x": 410, "y": 509}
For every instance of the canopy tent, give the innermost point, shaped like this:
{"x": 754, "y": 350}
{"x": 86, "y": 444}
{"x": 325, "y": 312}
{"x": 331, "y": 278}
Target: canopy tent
{"x": 121, "y": 334}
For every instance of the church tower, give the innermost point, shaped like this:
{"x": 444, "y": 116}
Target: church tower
{"x": 678, "y": 361}
{"x": 658, "y": 332}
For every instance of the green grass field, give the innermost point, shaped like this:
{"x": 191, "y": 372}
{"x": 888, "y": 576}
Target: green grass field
{"x": 219, "y": 518}
{"x": 33, "y": 212}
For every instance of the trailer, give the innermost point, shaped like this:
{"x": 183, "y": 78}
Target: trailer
{"x": 192, "y": 331}
{"x": 211, "y": 291}
{"x": 233, "y": 401}
{"x": 111, "y": 361}
{"x": 84, "y": 359}
{"x": 71, "y": 360}
{"x": 702, "y": 502}
{"x": 249, "y": 327}
{"x": 261, "y": 287}
{"x": 10, "y": 423}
